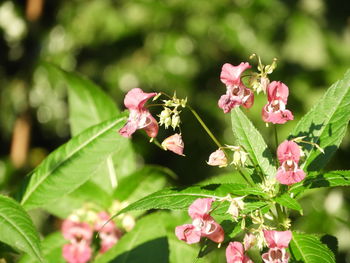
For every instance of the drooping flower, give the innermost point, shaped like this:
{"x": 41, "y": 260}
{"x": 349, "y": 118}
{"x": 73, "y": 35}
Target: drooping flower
{"x": 218, "y": 158}
{"x": 174, "y": 143}
{"x": 275, "y": 110}
{"x": 235, "y": 253}
{"x": 288, "y": 154}
{"x": 79, "y": 234}
{"x": 77, "y": 252}
{"x": 277, "y": 242}
{"x": 108, "y": 231}
{"x": 139, "y": 116}
{"x": 203, "y": 225}
{"x": 236, "y": 93}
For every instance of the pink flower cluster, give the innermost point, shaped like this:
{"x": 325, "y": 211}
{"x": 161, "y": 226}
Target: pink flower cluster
{"x": 203, "y": 225}
{"x": 235, "y": 253}
{"x": 277, "y": 242}
{"x": 288, "y": 154}
{"x": 237, "y": 93}
{"x": 80, "y": 236}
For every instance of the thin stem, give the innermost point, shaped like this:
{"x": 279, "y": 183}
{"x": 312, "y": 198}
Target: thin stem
{"x": 154, "y": 105}
{"x": 155, "y": 141}
{"x": 211, "y": 135}
{"x": 276, "y": 142}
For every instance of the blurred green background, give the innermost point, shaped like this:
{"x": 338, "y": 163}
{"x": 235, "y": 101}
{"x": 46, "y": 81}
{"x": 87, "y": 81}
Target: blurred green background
{"x": 166, "y": 46}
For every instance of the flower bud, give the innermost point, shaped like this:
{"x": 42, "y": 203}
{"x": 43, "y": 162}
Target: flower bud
{"x": 218, "y": 158}
{"x": 249, "y": 241}
{"x": 236, "y": 205}
{"x": 239, "y": 158}
{"x": 174, "y": 143}
{"x": 175, "y": 121}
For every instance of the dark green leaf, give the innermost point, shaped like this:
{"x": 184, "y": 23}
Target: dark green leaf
{"x": 289, "y": 202}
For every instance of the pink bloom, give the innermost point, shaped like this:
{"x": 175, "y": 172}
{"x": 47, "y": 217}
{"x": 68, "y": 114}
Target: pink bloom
{"x": 203, "y": 225}
{"x": 276, "y": 255}
{"x": 288, "y": 154}
{"x": 217, "y": 158}
{"x": 277, "y": 239}
{"x": 76, "y": 231}
{"x": 288, "y": 150}
{"x": 109, "y": 239}
{"x": 77, "y": 252}
{"x": 235, "y": 253}
{"x": 139, "y": 117}
{"x": 101, "y": 222}
{"x": 249, "y": 241}
{"x": 174, "y": 143}
{"x": 236, "y": 93}
{"x": 275, "y": 110}
{"x": 289, "y": 173}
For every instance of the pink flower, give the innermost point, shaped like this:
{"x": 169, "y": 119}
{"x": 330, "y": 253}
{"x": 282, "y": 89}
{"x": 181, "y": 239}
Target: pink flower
{"x": 101, "y": 222}
{"x": 174, "y": 143}
{"x": 203, "y": 225}
{"x": 288, "y": 154}
{"x": 76, "y": 231}
{"x": 235, "y": 253}
{"x": 217, "y": 158}
{"x": 275, "y": 110}
{"x": 249, "y": 241}
{"x": 236, "y": 93}
{"x": 77, "y": 252}
{"x": 139, "y": 117}
{"x": 276, "y": 255}
{"x": 277, "y": 239}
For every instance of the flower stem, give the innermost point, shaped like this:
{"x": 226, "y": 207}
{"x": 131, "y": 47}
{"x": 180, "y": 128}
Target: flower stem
{"x": 276, "y": 142}
{"x": 211, "y": 135}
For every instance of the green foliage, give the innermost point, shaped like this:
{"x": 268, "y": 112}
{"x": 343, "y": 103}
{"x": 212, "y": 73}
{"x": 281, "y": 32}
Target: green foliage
{"x": 317, "y": 180}
{"x": 146, "y": 243}
{"x": 181, "y": 198}
{"x": 73, "y": 163}
{"x": 289, "y": 202}
{"x": 17, "y": 229}
{"x": 52, "y": 249}
{"x": 325, "y": 124}
{"x": 250, "y": 138}
{"x": 309, "y": 249}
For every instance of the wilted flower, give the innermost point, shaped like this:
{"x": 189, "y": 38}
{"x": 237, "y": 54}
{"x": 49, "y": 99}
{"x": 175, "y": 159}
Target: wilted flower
{"x": 236, "y": 93}
{"x": 275, "y": 110}
{"x": 235, "y": 253}
{"x": 139, "y": 116}
{"x": 174, "y": 143}
{"x": 218, "y": 158}
{"x": 236, "y": 205}
{"x": 288, "y": 154}
{"x": 203, "y": 225}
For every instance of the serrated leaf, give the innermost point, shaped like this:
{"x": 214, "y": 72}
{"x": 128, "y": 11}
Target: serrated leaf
{"x": 146, "y": 243}
{"x": 52, "y": 250}
{"x": 325, "y": 124}
{"x": 181, "y": 198}
{"x": 330, "y": 179}
{"x": 147, "y": 180}
{"x": 252, "y": 141}
{"x": 309, "y": 249}
{"x": 289, "y": 202}
{"x": 72, "y": 164}
{"x": 17, "y": 229}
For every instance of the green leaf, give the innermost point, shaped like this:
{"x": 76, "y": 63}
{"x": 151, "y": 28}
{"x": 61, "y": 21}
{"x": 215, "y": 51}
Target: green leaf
{"x": 252, "y": 141}
{"x": 309, "y": 249}
{"x": 141, "y": 183}
{"x": 73, "y": 163}
{"x": 52, "y": 249}
{"x": 181, "y": 198}
{"x": 17, "y": 229}
{"x": 330, "y": 179}
{"x": 289, "y": 202}
{"x": 325, "y": 124}
{"x": 146, "y": 243}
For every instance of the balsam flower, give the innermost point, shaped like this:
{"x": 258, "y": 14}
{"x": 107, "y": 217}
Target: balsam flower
{"x": 139, "y": 116}
{"x": 174, "y": 143}
{"x": 277, "y": 242}
{"x": 218, "y": 158}
{"x": 235, "y": 253}
{"x": 275, "y": 110}
{"x": 203, "y": 225}
{"x": 288, "y": 154}
{"x": 77, "y": 253}
{"x": 236, "y": 93}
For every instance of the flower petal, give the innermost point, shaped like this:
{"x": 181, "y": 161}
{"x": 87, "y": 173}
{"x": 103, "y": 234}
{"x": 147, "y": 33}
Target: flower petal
{"x": 231, "y": 75}
{"x": 188, "y": 233}
{"x": 200, "y": 207}
{"x": 288, "y": 150}
{"x": 279, "y": 239}
{"x": 135, "y": 99}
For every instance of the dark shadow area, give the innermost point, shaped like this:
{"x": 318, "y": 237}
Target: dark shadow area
{"x": 331, "y": 242}
{"x": 321, "y": 160}
{"x": 143, "y": 253}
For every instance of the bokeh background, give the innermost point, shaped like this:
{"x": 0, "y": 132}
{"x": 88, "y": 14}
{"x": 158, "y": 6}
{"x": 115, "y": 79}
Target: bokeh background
{"x": 169, "y": 45}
